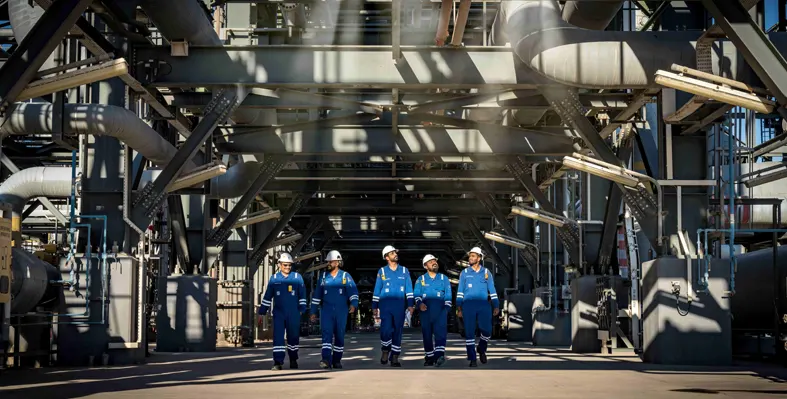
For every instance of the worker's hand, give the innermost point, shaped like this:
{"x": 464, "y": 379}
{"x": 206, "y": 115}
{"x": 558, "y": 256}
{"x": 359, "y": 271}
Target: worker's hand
{"x": 377, "y": 313}
{"x": 496, "y": 312}
{"x": 410, "y": 309}
{"x": 422, "y": 307}
{"x": 313, "y": 318}
{"x": 459, "y": 313}
{"x": 352, "y": 309}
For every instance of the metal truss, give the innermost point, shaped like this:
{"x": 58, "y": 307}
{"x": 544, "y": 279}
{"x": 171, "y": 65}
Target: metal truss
{"x": 314, "y": 226}
{"x": 391, "y": 186}
{"x": 472, "y": 226}
{"x": 177, "y": 222}
{"x": 641, "y": 202}
{"x": 260, "y": 250}
{"x": 569, "y": 233}
{"x": 270, "y": 167}
{"x": 611, "y": 213}
{"x": 300, "y": 67}
{"x": 150, "y": 199}
{"x": 37, "y": 46}
{"x": 376, "y": 208}
{"x": 529, "y": 254}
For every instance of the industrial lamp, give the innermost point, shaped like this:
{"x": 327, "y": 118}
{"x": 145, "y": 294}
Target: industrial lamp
{"x": 310, "y": 255}
{"x": 602, "y": 171}
{"x": 538, "y": 215}
{"x": 507, "y": 240}
{"x": 257, "y": 217}
{"x": 286, "y": 240}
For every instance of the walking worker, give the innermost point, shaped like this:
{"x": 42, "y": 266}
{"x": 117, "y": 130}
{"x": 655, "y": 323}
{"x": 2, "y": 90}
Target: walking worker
{"x": 433, "y": 299}
{"x": 338, "y": 297}
{"x": 476, "y": 287}
{"x": 288, "y": 294}
{"x": 392, "y": 291}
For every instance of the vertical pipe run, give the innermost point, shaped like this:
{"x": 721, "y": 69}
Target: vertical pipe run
{"x": 731, "y": 189}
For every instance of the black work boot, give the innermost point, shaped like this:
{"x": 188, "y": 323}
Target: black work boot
{"x": 276, "y": 366}
{"x": 440, "y": 361}
{"x": 384, "y": 357}
{"x": 483, "y": 357}
{"x": 473, "y": 363}
{"x": 395, "y": 361}
{"x": 337, "y": 365}
{"x": 293, "y": 364}
{"x": 324, "y": 364}
{"x": 428, "y": 361}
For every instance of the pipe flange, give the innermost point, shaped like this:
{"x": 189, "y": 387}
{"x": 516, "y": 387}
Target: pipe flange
{"x": 288, "y": 6}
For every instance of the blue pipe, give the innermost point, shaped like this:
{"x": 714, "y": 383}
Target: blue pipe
{"x": 731, "y": 184}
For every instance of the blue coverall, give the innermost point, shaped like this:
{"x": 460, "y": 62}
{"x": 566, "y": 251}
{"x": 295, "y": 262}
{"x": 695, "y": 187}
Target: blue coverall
{"x": 475, "y": 290}
{"x": 334, "y": 294}
{"x": 288, "y": 304}
{"x": 435, "y": 293}
{"x": 393, "y": 289}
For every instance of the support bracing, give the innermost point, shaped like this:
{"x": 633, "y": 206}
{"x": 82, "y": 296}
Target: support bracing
{"x": 36, "y": 47}
{"x": 611, "y": 214}
{"x": 258, "y": 254}
{"x": 152, "y": 196}
{"x": 569, "y": 233}
{"x": 769, "y": 65}
{"x": 459, "y": 240}
{"x": 313, "y": 226}
{"x": 270, "y": 168}
{"x": 528, "y": 254}
{"x": 177, "y": 222}
{"x": 641, "y": 202}
{"x": 472, "y": 225}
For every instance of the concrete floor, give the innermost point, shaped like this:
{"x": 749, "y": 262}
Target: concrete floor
{"x": 513, "y": 371}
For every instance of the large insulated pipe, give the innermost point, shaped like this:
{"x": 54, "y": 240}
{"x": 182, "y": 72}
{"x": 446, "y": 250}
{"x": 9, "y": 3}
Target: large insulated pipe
{"x": 23, "y": 15}
{"x": 578, "y": 57}
{"x": 752, "y": 305}
{"x": 591, "y": 15}
{"x": 31, "y": 287}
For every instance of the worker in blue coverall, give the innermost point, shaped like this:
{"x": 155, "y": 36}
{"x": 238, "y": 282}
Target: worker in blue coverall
{"x": 336, "y": 290}
{"x": 433, "y": 299}
{"x": 476, "y": 287}
{"x": 393, "y": 291}
{"x": 288, "y": 294}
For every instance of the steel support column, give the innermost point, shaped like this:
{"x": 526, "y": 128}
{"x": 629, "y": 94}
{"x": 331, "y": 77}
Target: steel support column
{"x": 569, "y": 233}
{"x": 152, "y": 196}
{"x": 641, "y": 202}
{"x": 36, "y": 47}
{"x": 528, "y": 255}
{"x": 750, "y": 40}
{"x": 472, "y": 225}
{"x": 313, "y": 226}
{"x": 177, "y": 223}
{"x": 258, "y": 254}
{"x": 611, "y": 214}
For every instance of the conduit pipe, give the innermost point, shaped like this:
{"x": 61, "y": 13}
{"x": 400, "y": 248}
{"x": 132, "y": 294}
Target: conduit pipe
{"x": 591, "y": 15}
{"x": 577, "y": 57}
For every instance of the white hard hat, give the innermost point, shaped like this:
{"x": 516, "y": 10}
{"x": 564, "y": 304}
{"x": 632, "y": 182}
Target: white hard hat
{"x": 333, "y": 255}
{"x": 427, "y": 258}
{"x": 476, "y": 250}
{"x": 388, "y": 249}
{"x": 285, "y": 258}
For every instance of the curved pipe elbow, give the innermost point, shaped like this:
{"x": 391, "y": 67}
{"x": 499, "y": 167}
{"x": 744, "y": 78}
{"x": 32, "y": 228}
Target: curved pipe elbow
{"x": 591, "y": 15}
{"x": 42, "y": 181}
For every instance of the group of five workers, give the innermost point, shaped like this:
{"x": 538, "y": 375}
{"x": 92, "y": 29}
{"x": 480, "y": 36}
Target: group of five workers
{"x": 337, "y": 296}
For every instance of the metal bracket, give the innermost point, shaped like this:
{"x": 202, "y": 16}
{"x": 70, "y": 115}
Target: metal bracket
{"x": 58, "y": 123}
{"x": 152, "y": 196}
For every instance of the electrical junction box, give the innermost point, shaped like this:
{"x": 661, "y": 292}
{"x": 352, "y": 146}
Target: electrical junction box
{"x": 5, "y": 260}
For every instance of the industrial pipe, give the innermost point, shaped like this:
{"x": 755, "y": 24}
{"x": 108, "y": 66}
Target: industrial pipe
{"x": 591, "y": 15}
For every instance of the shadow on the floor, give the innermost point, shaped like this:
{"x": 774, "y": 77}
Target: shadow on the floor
{"x": 716, "y": 392}
{"x": 243, "y": 366}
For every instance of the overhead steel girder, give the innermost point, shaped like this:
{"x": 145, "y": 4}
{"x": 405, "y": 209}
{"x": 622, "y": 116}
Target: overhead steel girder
{"x": 413, "y": 140}
{"x": 195, "y": 101}
{"x": 611, "y": 213}
{"x": 371, "y": 224}
{"x": 270, "y": 167}
{"x": 569, "y": 233}
{"x": 388, "y": 187}
{"x": 36, "y": 47}
{"x": 766, "y": 61}
{"x": 472, "y": 226}
{"x": 300, "y": 67}
{"x": 313, "y": 227}
{"x": 403, "y": 207}
{"x": 528, "y": 254}
{"x": 330, "y": 234}
{"x": 258, "y": 254}
{"x": 642, "y": 203}
{"x": 406, "y": 175}
{"x": 151, "y": 197}
{"x": 177, "y": 222}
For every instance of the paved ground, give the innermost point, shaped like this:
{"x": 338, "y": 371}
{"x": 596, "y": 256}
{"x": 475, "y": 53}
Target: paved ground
{"x": 513, "y": 371}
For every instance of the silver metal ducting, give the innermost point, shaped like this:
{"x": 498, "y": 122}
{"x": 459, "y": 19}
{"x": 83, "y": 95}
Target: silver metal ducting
{"x": 578, "y": 57}
{"x": 31, "y": 284}
{"x": 23, "y": 15}
{"x": 181, "y": 20}
{"x": 594, "y": 15}
{"x": 752, "y": 304}
{"x": 40, "y": 181}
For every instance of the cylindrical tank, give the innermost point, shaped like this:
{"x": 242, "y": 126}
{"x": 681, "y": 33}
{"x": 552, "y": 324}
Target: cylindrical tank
{"x": 752, "y": 306}
{"x": 31, "y": 284}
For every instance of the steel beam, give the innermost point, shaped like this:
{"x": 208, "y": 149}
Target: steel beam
{"x": 177, "y": 222}
{"x": 406, "y": 175}
{"x": 527, "y": 254}
{"x": 408, "y": 140}
{"x": 387, "y": 187}
{"x": 260, "y": 250}
{"x": 612, "y": 212}
{"x": 36, "y": 47}
{"x": 300, "y": 67}
{"x": 30, "y": 209}
{"x": 270, "y": 167}
{"x": 268, "y": 99}
{"x": 384, "y": 208}
{"x": 314, "y": 226}
{"x": 642, "y": 203}
{"x": 151, "y": 197}
{"x": 754, "y": 45}
{"x": 569, "y": 233}
{"x": 472, "y": 226}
